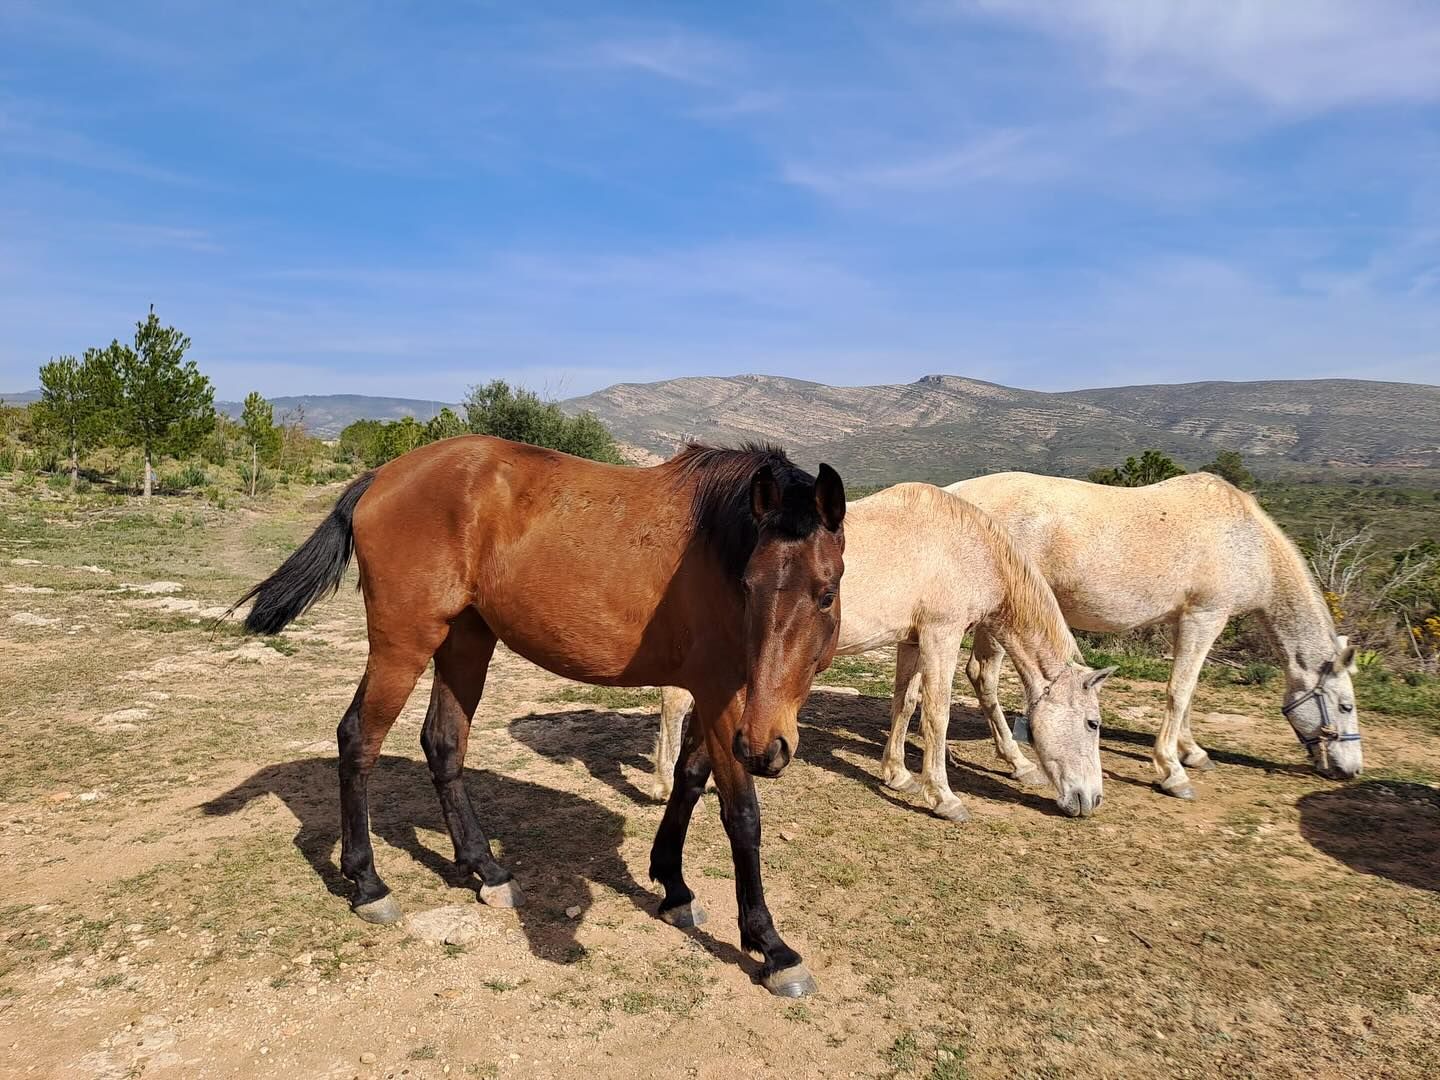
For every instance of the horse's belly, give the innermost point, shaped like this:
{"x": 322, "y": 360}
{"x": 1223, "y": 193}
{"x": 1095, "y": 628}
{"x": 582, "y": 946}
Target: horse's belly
{"x": 1112, "y": 611}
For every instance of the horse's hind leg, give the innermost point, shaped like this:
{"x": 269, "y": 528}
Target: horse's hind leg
{"x": 902, "y": 706}
{"x": 390, "y": 675}
{"x": 983, "y": 670}
{"x": 1195, "y": 632}
{"x": 675, "y": 705}
{"x": 461, "y": 663}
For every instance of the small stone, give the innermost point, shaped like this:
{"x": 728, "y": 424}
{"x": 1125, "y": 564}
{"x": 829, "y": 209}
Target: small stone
{"x": 59, "y": 796}
{"x": 90, "y": 796}
{"x": 367, "y": 1059}
{"x": 573, "y": 911}
{"x": 304, "y": 959}
{"x": 786, "y": 835}
{"x": 29, "y": 618}
{"x": 1100, "y": 939}
{"x": 310, "y": 991}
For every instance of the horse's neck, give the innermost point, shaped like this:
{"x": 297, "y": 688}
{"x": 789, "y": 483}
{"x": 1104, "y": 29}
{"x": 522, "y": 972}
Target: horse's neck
{"x": 1036, "y": 662}
{"x": 1297, "y": 617}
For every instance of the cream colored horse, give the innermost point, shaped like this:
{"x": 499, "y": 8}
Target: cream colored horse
{"x": 1189, "y": 552}
{"x": 921, "y": 568}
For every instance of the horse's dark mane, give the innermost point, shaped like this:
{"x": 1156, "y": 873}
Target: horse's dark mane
{"x": 720, "y": 509}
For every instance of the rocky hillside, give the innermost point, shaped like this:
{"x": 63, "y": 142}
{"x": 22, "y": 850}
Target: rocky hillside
{"x": 945, "y": 426}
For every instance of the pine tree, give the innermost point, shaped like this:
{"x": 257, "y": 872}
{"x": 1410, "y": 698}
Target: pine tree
{"x": 258, "y": 420}
{"x": 166, "y": 406}
{"x": 76, "y": 402}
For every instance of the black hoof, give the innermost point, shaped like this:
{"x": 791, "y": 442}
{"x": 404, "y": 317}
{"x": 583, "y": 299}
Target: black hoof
{"x": 791, "y": 982}
{"x": 684, "y": 916}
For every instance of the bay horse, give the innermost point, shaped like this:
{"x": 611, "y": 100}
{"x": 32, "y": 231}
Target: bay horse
{"x": 718, "y": 570}
{"x": 1190, "y": 552}
{"x": 922, "y": 568}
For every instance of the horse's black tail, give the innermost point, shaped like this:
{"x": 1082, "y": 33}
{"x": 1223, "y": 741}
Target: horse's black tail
{"x": 312, "y": 570}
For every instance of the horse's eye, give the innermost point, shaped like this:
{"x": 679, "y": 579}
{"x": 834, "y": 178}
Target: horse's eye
{"x": 827, "y": 601}
{"x": 1346, "y": 706}
{"x": 1093, "y": 723}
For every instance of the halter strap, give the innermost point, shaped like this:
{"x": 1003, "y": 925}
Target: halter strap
{"x": 1327, "y": 732}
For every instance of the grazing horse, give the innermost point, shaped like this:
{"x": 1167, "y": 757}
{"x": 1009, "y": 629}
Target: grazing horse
{"x": 718, "y": 571}
{"x": 1191, "y": 552}
{"x": 921, "y": 569}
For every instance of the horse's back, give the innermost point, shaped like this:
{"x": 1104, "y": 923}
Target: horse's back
{"x": 1123, "y": 557}
{"x": 538, "y": 542}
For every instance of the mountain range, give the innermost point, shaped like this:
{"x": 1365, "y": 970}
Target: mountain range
{"x": 942, "y": 427}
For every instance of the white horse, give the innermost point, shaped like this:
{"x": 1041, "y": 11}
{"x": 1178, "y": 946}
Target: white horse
{"x": 921, "y": 569}
{"x": 1190, "y": 552}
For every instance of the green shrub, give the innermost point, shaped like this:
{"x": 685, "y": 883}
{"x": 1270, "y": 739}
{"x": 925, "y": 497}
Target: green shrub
{"x": 1255, "y": 674}
{"x": 129, "y": 476}
{"x": 1131, "y": 665}
{"x": 187, "y": 477}
{"x": 264, "y": 481}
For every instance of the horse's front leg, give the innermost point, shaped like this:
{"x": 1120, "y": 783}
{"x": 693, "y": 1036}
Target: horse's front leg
{"x": 939, "y": 654}
{"x": 690, "y": 772}
{"x": 983, "y": 670}
{"x": 783, "y": 973}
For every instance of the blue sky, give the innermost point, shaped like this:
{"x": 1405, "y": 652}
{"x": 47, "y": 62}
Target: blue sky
{"x": 406, "y": 198}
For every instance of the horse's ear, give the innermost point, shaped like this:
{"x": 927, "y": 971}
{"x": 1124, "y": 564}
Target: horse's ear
{"x": 764, "y": 493}
{"x": 1345, "y": 658}
{"x": 1095, "y": 678}
{"x": 830, "y": 497}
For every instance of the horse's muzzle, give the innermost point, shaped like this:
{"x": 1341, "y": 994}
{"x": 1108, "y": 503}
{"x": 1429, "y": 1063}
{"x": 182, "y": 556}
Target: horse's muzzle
{"x": 1080, "y": 803}
{"x": 769, "y": 764}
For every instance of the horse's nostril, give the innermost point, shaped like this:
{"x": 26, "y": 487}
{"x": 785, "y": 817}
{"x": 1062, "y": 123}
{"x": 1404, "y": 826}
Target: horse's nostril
{"x": 741, "y": 746}
{"x": 777, "y": 754}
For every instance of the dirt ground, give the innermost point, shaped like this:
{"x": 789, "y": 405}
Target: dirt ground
{"x": 172, "y": 906}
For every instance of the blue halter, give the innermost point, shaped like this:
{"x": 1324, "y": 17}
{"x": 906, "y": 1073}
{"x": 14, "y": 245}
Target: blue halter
{"x": 1327, "y": 732}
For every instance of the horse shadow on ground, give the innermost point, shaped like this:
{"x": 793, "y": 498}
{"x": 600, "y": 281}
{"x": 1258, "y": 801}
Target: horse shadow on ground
{"x": 1146, "y": 739}
{"x": 833, "y": 728}
{"x": 558, "y": 844}
{"x": 1388, "y": 828}
{"x": 604, "y": 742}
{"x": 838, "y": 727}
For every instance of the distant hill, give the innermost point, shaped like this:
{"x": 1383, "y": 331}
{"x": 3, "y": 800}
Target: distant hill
{"x": 326, "y": 415}
{"x": 21, "y": 397}
{"x": 945, "y": 426}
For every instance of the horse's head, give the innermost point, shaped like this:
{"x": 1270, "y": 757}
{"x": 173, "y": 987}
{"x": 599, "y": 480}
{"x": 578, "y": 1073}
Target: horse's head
{"x": 1065, "y": 732}
{"x": 792, "y": 607}
{"x": 1320, "y": 705}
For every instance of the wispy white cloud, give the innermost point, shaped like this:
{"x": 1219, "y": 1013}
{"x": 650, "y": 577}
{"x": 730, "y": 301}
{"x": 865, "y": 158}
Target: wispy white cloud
{"x": 1291, "y": 54}
{"x": 27, "y": 131}
{"x": 181, "y": 238}
{"x": 671, "y": 53}
{"x": 1009, "y": 156}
